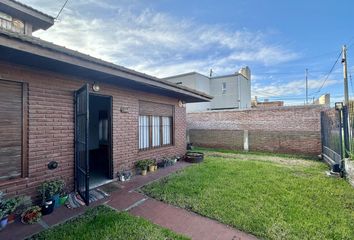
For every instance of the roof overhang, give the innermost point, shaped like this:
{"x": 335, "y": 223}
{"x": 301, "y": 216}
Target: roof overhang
{"x": 33, "y": 52}
{"x": 16, "y": 9}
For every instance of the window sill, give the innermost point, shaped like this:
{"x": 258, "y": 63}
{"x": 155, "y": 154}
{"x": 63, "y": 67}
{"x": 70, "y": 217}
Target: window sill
{"x": 4, "y": 183}
{"x": 154, "y": 148}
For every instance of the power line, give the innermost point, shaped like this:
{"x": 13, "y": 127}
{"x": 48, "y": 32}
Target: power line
{"x": 329, "y": 73}
{"x": 61, "y": 9}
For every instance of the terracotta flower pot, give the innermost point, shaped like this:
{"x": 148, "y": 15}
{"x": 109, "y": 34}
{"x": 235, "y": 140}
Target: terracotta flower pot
{"x": 11, "y": 218}
{"x": 143, "y": 172}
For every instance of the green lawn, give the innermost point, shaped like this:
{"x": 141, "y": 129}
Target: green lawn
{"x": 105, "y": 224}
{"x": 272, "y": 197}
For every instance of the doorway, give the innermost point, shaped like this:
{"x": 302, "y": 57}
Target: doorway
{"x": 93, "y": 141}
{"x": 100, "y": 140}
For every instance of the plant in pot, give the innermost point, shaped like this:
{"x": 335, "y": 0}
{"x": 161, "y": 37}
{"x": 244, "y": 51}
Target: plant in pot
{"x": 3, "y": 212}
{"x": 31, "y": 215}
{"x": 151, "y": 163}
{"x": 12, "y": 204}
{"x": 168, "y": 162}
{"x": 142, "y": 165}
{"x": 154, "y": 163}
{"x": 63, "y": 197}
{"x": 24, "y": 203}
{"x": 3, "y": 219}
{"x": 50, "y": 191}
{"x": 124, "y": 175}
{"x": 7, "y": 207}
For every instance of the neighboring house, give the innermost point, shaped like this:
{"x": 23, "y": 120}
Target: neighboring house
{"x": 229, "y": 92}
{"x": 91, "y": 117}
{"x": 266, "y": 103}
{"x": 323, "y": 100}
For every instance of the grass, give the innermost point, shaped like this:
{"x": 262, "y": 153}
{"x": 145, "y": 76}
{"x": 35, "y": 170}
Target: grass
{"x": 104, "y": 223}
{"x": 269, "y": 196}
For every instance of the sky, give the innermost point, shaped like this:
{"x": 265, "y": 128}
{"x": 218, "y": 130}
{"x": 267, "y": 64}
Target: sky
{"x": 277, "y": 39}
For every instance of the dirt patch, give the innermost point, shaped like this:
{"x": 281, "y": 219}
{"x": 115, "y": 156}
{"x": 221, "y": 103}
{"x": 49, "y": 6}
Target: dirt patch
{"x": 289, "y": 161}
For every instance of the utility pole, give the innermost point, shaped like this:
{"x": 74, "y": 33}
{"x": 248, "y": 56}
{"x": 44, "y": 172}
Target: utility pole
{"x": 345, "y": 75}
{"x": 307, "y": 87}
{"x": 211, "y": 72}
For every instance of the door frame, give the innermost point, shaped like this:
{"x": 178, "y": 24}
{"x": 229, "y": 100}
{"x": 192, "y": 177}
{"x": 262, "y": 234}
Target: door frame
{"x": 110, "y": 131}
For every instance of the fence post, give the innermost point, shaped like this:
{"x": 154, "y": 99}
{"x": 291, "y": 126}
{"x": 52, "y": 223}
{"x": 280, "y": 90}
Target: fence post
{"x": 322, "y": 132}
{"x": 340, "y": 111}
{"x": 346, "y": 131}
{"x": 245, "y": 141}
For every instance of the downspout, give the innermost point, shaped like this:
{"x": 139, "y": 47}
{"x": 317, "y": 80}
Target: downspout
{"x": 239, "y": 91}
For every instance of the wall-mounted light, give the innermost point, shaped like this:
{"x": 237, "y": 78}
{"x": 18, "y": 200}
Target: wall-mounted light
{"x": 52, "y": 165}
{"x": 181, "y": 103}
{"x": 95, "y": 87}
{"x": 338, "y": 106}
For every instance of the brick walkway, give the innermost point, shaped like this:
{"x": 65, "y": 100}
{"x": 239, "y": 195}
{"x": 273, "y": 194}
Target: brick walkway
{"x": 127, "y": 199}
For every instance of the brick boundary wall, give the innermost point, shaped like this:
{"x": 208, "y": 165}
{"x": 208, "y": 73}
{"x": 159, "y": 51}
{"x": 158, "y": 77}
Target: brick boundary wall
{"x": 278, "y": 129}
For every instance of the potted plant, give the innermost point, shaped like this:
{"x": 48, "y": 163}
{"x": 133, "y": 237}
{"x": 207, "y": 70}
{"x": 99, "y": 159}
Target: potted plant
{"x": 168, "y": 162}
{"x": 12, "y": 204}
{"x": 124, "y": 175}
{"x": 31, "y": 215}
{"x": 23, "y": 203}
{"x": 161, "y": 164}
{"x": 151, "y": 165}
{"x": 63, "y": 197}
{"x": 3, "y": 212}
{"x": 142, "y": 165}
{"x": 154, "y": 164}
{"x": 50, "y": 191}
{"x": 3, "y": 218}
{"x": 6, "y": 207}
{"x": 194, "y": 157}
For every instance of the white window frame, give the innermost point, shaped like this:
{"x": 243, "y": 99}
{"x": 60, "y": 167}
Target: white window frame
{"x": 223, "y": 88}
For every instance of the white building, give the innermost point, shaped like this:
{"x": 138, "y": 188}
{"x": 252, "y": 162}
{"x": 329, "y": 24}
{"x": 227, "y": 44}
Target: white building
{"x": 229, "y": 91}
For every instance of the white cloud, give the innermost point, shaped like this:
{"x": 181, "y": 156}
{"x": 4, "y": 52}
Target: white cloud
{"x": 296, "y": 87}
{"x": 154, "y": 42}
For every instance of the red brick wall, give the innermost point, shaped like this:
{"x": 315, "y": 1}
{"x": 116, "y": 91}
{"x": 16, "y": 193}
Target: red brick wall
{"x": 280, "y": 129}
{"x": 51, "y": 126}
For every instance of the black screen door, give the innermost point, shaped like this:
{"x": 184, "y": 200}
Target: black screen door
{"x": 81, "y": 142}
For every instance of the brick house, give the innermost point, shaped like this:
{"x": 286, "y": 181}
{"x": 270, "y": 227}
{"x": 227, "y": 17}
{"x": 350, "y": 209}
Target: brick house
{"x": 90, "y": 117}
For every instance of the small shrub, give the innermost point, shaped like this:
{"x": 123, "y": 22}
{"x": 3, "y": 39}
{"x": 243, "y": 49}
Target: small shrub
{"x": 142, "y": 164}
{"x": 49, "y": 188}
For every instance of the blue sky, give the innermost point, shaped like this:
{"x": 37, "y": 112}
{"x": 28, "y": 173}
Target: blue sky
{"x": 277, "y": 39}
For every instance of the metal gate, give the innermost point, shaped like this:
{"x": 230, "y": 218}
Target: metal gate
{"x": 335, "y": 137}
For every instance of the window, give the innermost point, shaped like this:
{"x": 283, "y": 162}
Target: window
{"x": 155, "y": 125}
{"x": 13, "y": 129}
{"x": 223, "y": 88}
{"x": 166, "y": 130}
{"x": 154, "y": 131}
{"x": 9, "y": 23}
